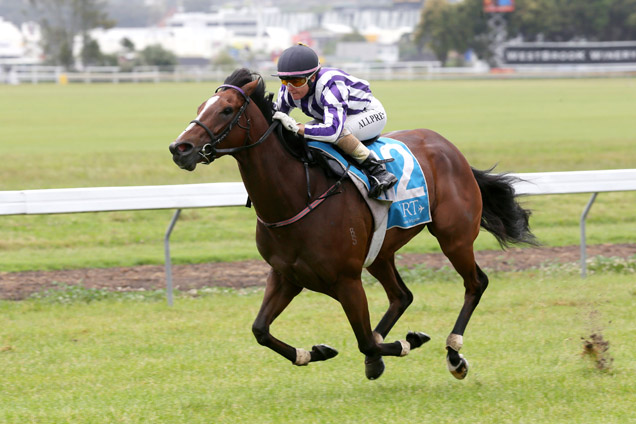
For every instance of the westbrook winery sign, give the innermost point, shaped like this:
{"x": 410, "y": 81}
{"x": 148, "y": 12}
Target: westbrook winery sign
{"x": 570, "y": 53}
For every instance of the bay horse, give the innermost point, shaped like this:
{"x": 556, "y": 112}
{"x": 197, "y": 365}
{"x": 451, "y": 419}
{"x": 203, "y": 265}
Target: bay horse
{"x": 314, "y": 229}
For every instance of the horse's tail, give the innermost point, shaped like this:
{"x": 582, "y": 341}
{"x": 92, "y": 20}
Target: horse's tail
{"x": 502, "y": 216}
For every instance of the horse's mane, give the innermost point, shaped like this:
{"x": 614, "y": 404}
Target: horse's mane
{"x": 263, "y": 100}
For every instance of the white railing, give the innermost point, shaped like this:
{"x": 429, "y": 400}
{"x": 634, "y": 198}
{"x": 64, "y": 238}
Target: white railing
{"x": 369, "y": 71}
{"x": 112, "y": 74}
{"x": 102, "y": 199}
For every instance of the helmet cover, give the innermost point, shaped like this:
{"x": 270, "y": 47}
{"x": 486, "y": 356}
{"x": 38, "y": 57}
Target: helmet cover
{"x": 297, "y": 61}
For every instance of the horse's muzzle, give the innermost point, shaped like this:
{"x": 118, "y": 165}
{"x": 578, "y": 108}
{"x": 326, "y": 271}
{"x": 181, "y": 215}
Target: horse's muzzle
{"x": 184, "y": 154}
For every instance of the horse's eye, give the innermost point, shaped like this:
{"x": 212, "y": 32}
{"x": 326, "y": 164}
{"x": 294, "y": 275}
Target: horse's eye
{"x": 227, "y": 111}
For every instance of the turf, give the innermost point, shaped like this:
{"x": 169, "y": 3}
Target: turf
{"x": 128, "y": 358}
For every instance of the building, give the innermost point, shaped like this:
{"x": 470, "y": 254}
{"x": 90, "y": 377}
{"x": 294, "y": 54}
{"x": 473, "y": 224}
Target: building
{"x": 19, "y": 45}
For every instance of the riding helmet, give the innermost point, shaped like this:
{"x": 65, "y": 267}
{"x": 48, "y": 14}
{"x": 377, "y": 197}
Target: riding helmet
{"x": 297, "y": 61}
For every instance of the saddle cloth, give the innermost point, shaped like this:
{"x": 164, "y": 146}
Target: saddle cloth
{"x": 405, "y": 205}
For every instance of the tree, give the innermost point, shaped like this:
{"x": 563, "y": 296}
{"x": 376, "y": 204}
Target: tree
{"x": 353, "y": 37}
{"x": 62, "y": 20}
{"x": 565, "y": 20}
{"x": 156, "y": 55}
{"x": 435, "y": 28}
{"x": 92, "y": 55}
{"x": 474, "y": 32}
{"x": 127, "y": 44}
{"x": 622, "y": 21}
{"x": 445, "y": 27}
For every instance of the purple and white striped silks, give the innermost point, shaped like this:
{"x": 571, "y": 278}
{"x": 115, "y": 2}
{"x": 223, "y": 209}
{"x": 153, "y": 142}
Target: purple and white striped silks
{"x": 333, "y": 97}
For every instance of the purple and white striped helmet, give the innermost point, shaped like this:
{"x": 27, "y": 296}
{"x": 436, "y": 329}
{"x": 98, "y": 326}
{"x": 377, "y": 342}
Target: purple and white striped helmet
{"x": 297, "y": 61}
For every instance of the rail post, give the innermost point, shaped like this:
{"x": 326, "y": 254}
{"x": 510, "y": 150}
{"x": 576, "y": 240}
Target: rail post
{"x": 583, "y": 242}
{"x": 166, "y": 245}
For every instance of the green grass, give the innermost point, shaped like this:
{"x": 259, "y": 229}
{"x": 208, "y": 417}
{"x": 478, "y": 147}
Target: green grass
{"x": 113, "y": 135}
{"x": 120, "y": 359}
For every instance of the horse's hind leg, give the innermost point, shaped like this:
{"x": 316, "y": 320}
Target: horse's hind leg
{"x": 461, "y": 255}
{"x": 278, "y": 294}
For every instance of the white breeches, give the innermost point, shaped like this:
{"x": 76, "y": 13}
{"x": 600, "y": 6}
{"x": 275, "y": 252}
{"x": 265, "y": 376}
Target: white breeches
{"x": 367, "y": 124}
{"x": 364, "y": 125}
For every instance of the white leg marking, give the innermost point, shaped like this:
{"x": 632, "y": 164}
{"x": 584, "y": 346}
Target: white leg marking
{"x": 406, "y": 347}
{"x": 377, "y": 337}
{"x": 455, "y": 342}
{"x": 302, "y": 357}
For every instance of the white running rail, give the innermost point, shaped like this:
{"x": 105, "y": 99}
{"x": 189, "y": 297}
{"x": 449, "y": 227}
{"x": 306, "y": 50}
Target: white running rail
{"x": 178, "y": 197}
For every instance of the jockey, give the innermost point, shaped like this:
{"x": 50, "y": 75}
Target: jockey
{"x": 343, "y": 108}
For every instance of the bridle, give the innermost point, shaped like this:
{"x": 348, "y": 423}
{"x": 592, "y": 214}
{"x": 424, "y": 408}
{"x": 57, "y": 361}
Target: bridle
{"x": 209, "y": 151}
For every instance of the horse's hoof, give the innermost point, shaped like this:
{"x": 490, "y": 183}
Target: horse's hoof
{"x": 417, "y": 339}
{"x": 460, "y": 370}
{"x": 374, "y": 368}
{"x": 322, "y": 352}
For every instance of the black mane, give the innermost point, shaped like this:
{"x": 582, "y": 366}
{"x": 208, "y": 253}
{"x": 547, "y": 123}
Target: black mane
{"x": 263, "y": 100}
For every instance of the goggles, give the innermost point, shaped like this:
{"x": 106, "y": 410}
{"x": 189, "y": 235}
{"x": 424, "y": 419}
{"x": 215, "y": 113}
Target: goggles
{"x": 296, "y": 81}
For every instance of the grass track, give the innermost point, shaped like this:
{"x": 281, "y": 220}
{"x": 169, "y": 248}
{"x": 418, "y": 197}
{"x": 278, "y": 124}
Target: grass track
{"x": 110, "y": 135}
{"x": 130, "y": 361}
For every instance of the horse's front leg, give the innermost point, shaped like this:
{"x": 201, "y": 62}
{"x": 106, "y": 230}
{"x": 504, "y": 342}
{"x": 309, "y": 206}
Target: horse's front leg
{"x": 278, "y": 294}
{"x": 353, "y": 299}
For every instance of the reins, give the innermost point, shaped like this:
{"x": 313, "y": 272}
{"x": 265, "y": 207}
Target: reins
{"x": 209, "y": 152}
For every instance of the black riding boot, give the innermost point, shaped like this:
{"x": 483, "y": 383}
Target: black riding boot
{"x": 379, "y": 178}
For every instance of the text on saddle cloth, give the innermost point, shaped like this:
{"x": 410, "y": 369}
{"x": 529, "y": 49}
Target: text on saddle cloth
{"x": 410, "y": 205}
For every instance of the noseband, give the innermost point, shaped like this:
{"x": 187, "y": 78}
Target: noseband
{"x": 209, "y": 151}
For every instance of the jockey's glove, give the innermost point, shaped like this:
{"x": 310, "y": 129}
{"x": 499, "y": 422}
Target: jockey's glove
{"x": 288, "y": 122}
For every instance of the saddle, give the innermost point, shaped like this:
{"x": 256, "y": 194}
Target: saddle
{"x": 297, "y": 146}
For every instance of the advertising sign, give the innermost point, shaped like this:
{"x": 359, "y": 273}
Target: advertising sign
{"x": 570, "y": 54}
{"x": 499, "y": 6}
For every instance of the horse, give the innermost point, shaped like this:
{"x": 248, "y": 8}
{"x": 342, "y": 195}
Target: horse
{"x": 314, "y": 228}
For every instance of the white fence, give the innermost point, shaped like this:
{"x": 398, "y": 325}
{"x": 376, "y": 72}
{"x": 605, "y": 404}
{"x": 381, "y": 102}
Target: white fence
{"x": 111, "y": 74}
{"x": 371, "y": 71}
{"x": 101, "y": 199}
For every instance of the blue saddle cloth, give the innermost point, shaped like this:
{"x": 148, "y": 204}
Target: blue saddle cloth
{"x": 410, "y": 206}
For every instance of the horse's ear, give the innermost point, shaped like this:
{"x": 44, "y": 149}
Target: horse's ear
{"x": 201, "y": 107}
{"x": 251, "y": 86}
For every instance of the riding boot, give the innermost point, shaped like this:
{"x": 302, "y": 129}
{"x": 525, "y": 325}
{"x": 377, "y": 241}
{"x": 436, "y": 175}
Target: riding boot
{"x": 379, "y": 178}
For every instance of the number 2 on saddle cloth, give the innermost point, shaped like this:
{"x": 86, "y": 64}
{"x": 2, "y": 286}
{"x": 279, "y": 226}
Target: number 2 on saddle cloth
{"x": 410, "y": 205}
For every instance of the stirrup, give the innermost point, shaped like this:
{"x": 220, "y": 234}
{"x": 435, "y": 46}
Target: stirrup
{"x": 377, "y": 187}
{"x": 380, "y": 161}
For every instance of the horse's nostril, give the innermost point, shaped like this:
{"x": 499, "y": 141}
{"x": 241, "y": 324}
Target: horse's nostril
{"x": 181, "y": 148}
